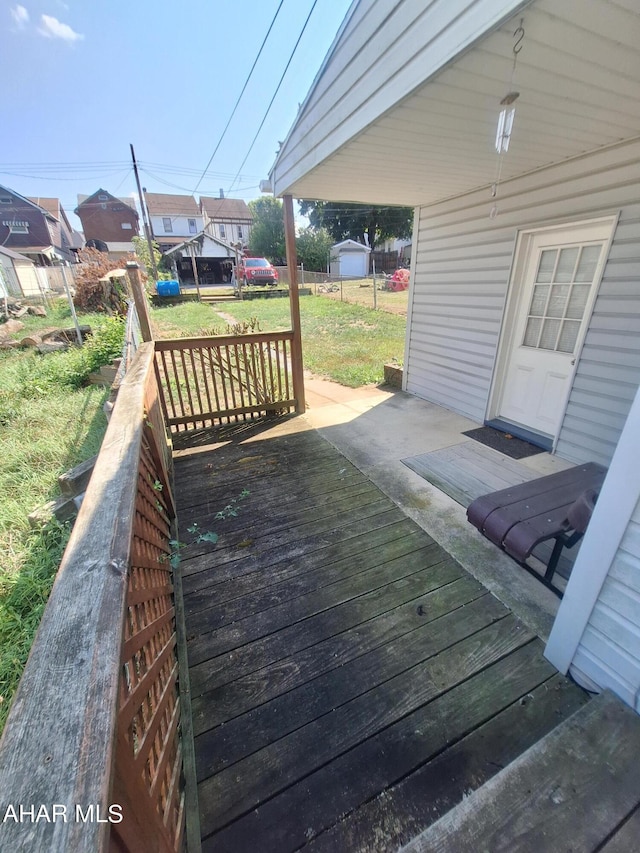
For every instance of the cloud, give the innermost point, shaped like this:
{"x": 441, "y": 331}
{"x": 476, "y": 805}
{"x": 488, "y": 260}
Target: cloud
{"x": 20, "y": 16}
{"x": 52, "y": 28}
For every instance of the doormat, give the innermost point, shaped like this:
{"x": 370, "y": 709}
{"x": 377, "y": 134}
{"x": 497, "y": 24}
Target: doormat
{"x": 511, "y": 446}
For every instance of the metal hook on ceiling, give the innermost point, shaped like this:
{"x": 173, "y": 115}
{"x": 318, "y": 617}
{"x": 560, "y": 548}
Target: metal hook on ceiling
{"x": 519, "y": 36}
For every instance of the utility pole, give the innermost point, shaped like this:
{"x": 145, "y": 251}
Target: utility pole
{"x": 145, "y": 223}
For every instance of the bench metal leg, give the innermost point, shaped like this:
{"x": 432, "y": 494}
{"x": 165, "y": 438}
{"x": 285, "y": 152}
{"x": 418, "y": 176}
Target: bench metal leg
{"x": 553, "y": 559}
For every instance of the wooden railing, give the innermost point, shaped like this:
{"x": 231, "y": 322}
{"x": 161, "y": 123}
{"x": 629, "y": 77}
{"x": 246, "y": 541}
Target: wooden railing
{"x": 92, "y": 744}
{"x": 207, "y": 381}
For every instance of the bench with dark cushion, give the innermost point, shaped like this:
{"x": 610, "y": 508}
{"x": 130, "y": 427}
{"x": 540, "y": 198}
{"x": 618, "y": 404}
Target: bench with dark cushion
{"x": 557, "y": 507}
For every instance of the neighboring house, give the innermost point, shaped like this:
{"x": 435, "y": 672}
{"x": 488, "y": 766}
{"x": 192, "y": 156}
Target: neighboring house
{"x": 18, "y": 274}
{"x": 524, "y": 305}
{"x": 173, "y": 218}
{"x": 230, "y": 218}
{"x": 349, "y": 259}
{"x": 64, "y": 234}
{"x": 108, "y": 220}
{"x": 37, "y": 228}
{"x": 213, "y": 258}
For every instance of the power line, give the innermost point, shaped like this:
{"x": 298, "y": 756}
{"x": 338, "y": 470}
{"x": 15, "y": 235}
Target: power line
{"x": 233, "y": 112}
{"x": 188, "y": 189}
{"x": 264, "y": 118}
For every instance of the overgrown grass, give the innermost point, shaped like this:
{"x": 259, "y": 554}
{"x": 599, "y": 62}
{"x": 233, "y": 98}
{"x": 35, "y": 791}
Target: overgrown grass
{"x": 186, "y": 319}
{"x": 48, "y": 424}
{"x": 347, "y": 343}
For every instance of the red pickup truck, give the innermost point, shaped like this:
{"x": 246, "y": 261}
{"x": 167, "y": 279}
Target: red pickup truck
{"x": 256, "y": 271}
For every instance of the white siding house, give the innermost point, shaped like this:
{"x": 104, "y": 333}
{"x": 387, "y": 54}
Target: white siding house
{"x": 173, "y": 218}
{"x": 524, "y": 304}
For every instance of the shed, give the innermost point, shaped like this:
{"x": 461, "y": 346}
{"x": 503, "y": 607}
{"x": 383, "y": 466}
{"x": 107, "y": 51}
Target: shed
{"x": 19, "y": 274}
{"x": 214, "y": 259}
{"x": 349, "y": 259}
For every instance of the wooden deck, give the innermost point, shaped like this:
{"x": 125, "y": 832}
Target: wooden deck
{"x": 351, "y": 683}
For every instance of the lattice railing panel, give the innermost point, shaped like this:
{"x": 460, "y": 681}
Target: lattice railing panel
{"x": 149, "y": 753}
{"x": 216, "y": 380}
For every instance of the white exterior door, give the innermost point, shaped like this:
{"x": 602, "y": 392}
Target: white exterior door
{"x": 559, "y": 279}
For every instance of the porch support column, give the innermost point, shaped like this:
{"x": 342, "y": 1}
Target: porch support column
{"x": 294, "y": 304}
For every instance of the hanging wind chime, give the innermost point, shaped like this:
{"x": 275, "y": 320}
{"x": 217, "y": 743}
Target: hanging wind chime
{"x": 506, "y": 117}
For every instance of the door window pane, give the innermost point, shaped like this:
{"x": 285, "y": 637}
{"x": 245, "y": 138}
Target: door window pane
{"x": 568, "y": 336}
{"x": 549, "y": 335}
{"x": 547, "y": 263}
{"x": 566, "y": 264}
{"x": 539, "y": 300}
{"x": 578, "y": 301}
{"x": 533, "y": 332}
{"x": 558, "y": 300}
{"x": 588, "y": 262}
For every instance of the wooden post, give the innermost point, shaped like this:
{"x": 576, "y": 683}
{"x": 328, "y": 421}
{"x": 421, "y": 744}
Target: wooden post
{"x": 140, "y": 299}
{"x": 194, "y": 268}
{"x": 375, "y": 301}
{"x": 294, "y": 304}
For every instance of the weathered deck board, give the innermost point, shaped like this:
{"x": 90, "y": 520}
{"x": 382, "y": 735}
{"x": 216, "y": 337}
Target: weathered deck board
{"x": 438, "y": 785}
{"x": 570, "y": 791}
{"x": 468, "y": 470}
{"x": 339, "y": 658}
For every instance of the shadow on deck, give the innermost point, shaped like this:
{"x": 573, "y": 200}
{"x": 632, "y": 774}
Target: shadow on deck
{"x": 350, "y": 682}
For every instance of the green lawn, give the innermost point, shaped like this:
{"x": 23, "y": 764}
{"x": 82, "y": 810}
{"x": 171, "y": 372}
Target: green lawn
{"x": 346, "y": 343}
{"x": 48, "y": 424}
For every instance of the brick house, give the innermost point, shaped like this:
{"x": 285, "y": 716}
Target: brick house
{"x": 108, "y": 219}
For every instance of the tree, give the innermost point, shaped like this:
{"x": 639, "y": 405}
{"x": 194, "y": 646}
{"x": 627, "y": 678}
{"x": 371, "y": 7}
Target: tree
{"x": 267, "y": 232}
{"x": 142, "y": 251}
{"x": 369, "y": 224}
{"x": 313, "y": 247}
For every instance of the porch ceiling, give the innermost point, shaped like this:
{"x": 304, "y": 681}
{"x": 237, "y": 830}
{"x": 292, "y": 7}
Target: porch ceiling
{"x": 578, "y": 75}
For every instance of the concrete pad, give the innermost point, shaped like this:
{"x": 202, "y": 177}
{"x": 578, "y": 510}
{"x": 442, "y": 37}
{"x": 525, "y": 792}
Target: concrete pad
{"x": 377, "y": 427}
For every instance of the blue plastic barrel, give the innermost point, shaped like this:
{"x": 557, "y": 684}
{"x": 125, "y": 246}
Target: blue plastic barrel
{"x": 168, "y": 288}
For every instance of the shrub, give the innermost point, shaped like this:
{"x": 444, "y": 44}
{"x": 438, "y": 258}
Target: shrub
{"x": 34, "y": 375}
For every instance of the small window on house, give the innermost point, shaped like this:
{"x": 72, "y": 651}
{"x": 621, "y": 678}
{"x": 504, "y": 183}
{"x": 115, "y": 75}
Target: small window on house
{"x": 167, "y": 225}
{"x": 102, "y": 197}
{"x": 5, "y": 199}
{"x": 17, "y": 227}
{"x": 126, "y": 226}
{"x": 192, "y": 226}
{"x": 223, "y": 231}
{"x": 240, "y": 233}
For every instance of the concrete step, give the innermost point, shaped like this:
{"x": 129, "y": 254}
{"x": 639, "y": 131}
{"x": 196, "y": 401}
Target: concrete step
{"x": 571, "y": 790}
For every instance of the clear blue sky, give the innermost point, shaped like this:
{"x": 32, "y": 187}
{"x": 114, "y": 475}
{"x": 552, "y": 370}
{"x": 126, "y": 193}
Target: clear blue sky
{"x": 84, "y": 78}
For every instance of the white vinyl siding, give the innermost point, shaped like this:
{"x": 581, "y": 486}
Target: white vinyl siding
{"x": 609, "y": 651}
{"x": 462, "y": 269}
{"x": 179, "y": 225}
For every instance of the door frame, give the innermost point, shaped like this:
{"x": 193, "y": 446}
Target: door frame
{"x": 513, "y": 304}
